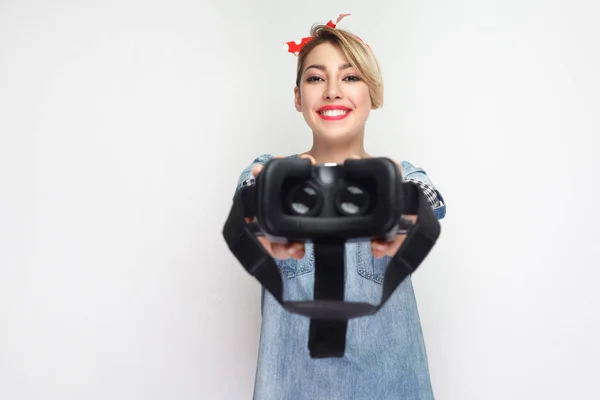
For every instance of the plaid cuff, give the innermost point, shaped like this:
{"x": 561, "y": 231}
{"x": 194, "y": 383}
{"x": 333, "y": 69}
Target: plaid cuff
{"x": 248, "y": 182}
{"x": 430, "y": 193}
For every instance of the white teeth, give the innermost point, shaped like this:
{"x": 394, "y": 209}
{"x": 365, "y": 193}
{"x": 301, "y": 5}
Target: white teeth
{"x": 333, "y": 113}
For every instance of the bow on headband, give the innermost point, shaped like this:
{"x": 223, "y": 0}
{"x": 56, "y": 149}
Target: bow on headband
{"x": 295, "y": 46}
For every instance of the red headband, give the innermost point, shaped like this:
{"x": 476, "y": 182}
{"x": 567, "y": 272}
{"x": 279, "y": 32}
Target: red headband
{"x": 295, "y": 46}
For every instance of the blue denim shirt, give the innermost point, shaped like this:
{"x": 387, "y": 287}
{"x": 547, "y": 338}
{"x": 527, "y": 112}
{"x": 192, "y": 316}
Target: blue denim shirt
{"x": 385, "y": 353}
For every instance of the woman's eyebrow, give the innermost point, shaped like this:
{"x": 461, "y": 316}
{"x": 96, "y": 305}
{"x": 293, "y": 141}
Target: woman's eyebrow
{"x": 322, "y": 67}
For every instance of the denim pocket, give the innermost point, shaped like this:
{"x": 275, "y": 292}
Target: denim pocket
{"x": 369, "y": 267}
{"x": 292, "y": 268}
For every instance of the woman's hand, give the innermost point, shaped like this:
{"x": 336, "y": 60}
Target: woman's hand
{"x": 296, "y": 250}
{"x": 382, "y": 248}
{"x": 281, "y": 251}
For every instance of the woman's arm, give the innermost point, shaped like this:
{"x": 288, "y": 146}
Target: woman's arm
{"x": 419, "y": 176}
{"x": 410, "y": 173}
{"x": 246, "y": 176}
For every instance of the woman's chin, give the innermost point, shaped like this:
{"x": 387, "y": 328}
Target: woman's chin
{"x": 335, "y": 134}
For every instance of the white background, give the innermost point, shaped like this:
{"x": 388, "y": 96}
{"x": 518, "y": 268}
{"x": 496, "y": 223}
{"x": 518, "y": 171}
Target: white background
{"x": 124, "y": 127}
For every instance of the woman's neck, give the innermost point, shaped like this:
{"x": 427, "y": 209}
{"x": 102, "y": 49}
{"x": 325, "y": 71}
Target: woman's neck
{"x": 324, "y": 152}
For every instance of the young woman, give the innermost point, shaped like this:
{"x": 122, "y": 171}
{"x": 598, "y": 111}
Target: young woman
{"x": 338, "y": 83}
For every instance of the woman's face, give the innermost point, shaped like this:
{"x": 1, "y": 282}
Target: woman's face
{"x": 333, "y": 98}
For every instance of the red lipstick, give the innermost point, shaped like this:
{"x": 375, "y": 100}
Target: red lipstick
{"x": 335, "y": 116}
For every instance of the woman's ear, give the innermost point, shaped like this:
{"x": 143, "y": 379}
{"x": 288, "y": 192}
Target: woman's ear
{"x": 297, "y": 102}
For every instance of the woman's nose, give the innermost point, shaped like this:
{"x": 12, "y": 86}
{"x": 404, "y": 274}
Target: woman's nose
{"x": 333, "y": 91}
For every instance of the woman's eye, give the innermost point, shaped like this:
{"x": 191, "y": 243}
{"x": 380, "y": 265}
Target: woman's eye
{"x": 350, "y": 78}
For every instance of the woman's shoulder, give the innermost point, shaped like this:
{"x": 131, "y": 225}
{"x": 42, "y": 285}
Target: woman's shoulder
{"x": 262, "y": 158}
{"x": 409, "y": 168}
{"x": 245, "y": 176}
{"x": 265, "y": 157}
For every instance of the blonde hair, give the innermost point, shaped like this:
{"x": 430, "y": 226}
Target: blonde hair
{"x": 354, "y": 50}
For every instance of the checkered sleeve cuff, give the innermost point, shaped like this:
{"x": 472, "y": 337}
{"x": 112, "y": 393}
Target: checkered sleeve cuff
{"x": 430, "y": 193}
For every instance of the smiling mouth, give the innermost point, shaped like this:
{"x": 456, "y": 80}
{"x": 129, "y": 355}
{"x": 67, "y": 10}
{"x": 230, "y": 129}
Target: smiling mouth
{"x": 333, "y": 114}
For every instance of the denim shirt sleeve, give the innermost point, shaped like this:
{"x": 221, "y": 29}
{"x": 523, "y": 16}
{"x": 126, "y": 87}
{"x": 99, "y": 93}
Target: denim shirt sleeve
{"x": 246, "y": 174}
{"x": 409, "y": 171}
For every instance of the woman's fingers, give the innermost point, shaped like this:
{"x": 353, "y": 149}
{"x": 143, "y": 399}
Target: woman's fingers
{"x": 256, "y": 170}
{"x": 278, "y": 251}
{"x": 282, "y": 251}
{"x": 290, "y": 250}
{"x": 259, "y": 167}
{"x": 266, "y": 244}
{"x": 296, "y": 250}
{"x": 399, "y": 164}
{"x": 311, "y": 158}
{"x": 380, "y": 248}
